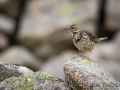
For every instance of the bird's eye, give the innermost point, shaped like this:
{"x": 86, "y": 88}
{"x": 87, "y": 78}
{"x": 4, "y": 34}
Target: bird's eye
{"x": 72, "y": 28}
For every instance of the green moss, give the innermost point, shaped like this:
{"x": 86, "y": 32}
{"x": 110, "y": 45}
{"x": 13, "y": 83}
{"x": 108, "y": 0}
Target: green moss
{"x": 75, "y": 19}
{"x": 85, "y": 62}
{"x": 66, "y": 9}
{"x": 21, "y": 83}
{"x": 46, "y": 76}
{"x": 97, "y": 88}
{"x": 106, "y": 80}
{"x": 26, "y": 81}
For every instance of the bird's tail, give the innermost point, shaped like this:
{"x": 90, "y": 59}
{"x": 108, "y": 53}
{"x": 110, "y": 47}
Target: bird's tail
{"x": 103, "y": 38}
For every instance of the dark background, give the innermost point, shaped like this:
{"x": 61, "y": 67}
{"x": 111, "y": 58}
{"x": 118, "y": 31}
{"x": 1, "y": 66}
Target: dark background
{"x": 32, "y": 32}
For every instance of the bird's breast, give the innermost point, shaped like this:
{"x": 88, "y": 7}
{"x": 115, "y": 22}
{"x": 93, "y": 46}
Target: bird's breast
{"x": 79, "y": 45}
{"x": 84, "y": 44}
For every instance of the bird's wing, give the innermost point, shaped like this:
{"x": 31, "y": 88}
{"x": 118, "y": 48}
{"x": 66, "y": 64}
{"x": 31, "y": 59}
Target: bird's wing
{"x": 92, "y": 37}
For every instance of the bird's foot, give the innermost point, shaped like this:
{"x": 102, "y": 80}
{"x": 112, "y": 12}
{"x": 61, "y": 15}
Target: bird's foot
{"x": 79, "y": 54}
{"x": 88, "y": 58}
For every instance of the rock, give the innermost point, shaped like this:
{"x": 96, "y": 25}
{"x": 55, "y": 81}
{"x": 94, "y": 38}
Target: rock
{"x": 3, "y": 1}
{"x": 54, "y": 44}
{"x": 112, "y": 14}
{"x": 20, "y": 55}
{"x": 12, "y": 70}
{"x": 4, "y": 42}
{"x": 11, "y": 9}
{"x": 84, "y": 74}
{"x": 7, "y": 24}
{"x": 116, "y": 38}
{"x": 44, "y": 21}
{"x": 57, "y": 62}
{"x": 34, "y": 81}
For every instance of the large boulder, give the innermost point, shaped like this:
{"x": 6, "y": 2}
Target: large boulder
{"x": 13, "y": 77}
{"x": 34, "y": 81}
{"x": 12, "y": 70}
{"x": 82, "y": 73}
{"x": 7, "y": 24}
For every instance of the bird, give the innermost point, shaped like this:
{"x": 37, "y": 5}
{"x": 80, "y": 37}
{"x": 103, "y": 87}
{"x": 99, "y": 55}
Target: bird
{"x": 84, "y": 40}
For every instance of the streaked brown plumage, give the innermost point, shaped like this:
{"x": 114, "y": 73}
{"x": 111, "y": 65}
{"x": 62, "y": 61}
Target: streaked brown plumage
{"x": 83, "y": 39}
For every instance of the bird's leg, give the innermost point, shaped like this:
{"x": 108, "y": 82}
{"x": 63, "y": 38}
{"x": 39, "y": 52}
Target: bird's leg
{"x": 89, "y": 55}
{"x": 79, "y": 54}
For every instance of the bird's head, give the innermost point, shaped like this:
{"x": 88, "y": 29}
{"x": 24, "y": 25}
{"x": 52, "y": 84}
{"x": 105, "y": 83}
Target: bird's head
{"x": 72, "y": 28}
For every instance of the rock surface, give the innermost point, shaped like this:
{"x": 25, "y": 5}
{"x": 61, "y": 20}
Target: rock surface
{"x": 20, "y": 55}
{"x": 7, "y": 24}
{"x": 80, "y": 74}
{"x": 4, "y": 42}
{"x": 112, "y": 14}
{"x": 12, "y": 70}
{"x": 34, "y": 81}
{"x": 84, "y": 74}
{"x": 11, "y": 7}
{"x": 53, "y": 44}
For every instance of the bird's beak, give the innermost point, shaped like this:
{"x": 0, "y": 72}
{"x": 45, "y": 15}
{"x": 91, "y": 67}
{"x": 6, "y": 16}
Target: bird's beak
{"x": 67, "y": 28}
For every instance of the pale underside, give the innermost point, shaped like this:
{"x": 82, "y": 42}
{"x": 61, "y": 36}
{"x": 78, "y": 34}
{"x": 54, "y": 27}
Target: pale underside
{"x": 84, "y": 44}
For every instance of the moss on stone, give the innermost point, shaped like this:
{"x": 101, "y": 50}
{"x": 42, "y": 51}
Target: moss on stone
{"x": 21, "y": 83}
{"x": 75, "y": 19}
{"x": 46, "y": 76}
{"x": 65, "y": 9}
{"x": 97, "y": 88}
{"x": 85, "y": 62}
{"x": 26, "y": 81}
{"x": 106, "y": 80}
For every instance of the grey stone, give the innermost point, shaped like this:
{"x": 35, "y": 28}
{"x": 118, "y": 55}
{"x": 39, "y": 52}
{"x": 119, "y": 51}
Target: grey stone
{"x": 34, "y": 81}
{"x": 3, "y": 1}
{"x": 12, "y": 70}
{"x": 84, "y": 74}
{"x": 112, "y": 14}
{"x": 11, "y": 7}
{"x": 116, "y": 38}
{"x": 4, "y": 42}
{"x": 54, "y": 44}
{"x": 20, "y": 55}
{"x": 7, "y": 24}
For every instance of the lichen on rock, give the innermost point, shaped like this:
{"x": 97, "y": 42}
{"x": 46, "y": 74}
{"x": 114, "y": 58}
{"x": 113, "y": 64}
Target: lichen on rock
{"x": 84, "y": 74}
{"x": 34, "y": 81}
